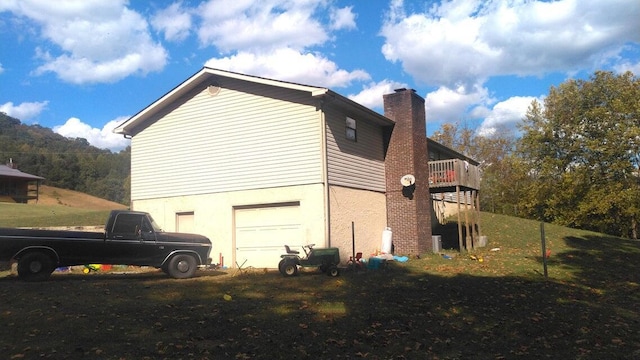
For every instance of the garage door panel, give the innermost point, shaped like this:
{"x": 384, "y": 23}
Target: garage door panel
{"x": 261, "y": 234}
{"x": 276, "y": 215}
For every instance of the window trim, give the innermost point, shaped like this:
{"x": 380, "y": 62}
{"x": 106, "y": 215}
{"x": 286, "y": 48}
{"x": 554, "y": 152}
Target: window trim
{"x": 350, "y": 131}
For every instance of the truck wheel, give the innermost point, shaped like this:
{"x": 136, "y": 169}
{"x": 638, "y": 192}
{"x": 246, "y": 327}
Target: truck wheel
{"x": 182, "y": 266}
{"x": 290, "y": 269}
{"x": 165, "y": 268}
{"x": 35, "y": 266}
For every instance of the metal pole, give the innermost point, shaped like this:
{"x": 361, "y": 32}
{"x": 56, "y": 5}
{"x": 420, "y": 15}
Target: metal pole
{"x": 544, "y": 250}
{"x": 353, "y": 244}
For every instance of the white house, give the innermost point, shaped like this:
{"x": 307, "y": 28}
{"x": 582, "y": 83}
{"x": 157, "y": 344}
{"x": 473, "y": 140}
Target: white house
{"x": 255, "y": 163}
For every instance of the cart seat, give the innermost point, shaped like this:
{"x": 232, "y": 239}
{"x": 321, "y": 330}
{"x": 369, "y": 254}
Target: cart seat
{"x": 289, "y": 251}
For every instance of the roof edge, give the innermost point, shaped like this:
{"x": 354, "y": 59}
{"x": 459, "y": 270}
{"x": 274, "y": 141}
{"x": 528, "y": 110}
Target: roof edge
{"x": 127, "y": 128}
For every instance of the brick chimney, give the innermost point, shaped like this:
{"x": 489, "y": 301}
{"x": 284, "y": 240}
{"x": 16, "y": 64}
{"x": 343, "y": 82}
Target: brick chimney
{"x": 408, "y": 207}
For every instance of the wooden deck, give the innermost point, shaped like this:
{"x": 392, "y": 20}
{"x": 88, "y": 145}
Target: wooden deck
{"x": 463, "y": 180}
{"x": 447, "y": 175}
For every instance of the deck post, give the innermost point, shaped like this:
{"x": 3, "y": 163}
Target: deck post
{"x": 467, "y": 224}
{"x": 460, "y": 243}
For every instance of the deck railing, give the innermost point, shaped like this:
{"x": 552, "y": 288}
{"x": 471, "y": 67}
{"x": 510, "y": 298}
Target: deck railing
{"x": 453, "y": 172}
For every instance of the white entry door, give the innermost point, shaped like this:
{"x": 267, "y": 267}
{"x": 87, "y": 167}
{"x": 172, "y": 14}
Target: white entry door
{"x": 262, "y": 232}
{"x": 185, "y": 222}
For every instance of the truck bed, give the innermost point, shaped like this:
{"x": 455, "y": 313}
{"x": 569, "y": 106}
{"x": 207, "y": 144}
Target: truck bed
{"x": 15, "y": 233}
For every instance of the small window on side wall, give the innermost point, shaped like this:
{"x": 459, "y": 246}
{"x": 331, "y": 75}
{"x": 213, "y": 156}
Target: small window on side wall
{"x": 350, "y": 129}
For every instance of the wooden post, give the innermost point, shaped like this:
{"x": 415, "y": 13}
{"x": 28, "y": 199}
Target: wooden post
{"x": 460, "y": 243}
{"x": 478, "y": 212}
{"x": 468, "y": 240}
{"x": 544, "y": 250}
{"x": 474, "y": 218}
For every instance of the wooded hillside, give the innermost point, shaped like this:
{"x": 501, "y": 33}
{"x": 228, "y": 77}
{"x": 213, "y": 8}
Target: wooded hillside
{"x": 65, "y": 163}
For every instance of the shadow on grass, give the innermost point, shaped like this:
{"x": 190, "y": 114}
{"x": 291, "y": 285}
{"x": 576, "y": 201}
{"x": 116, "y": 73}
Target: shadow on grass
{"x": 600, "y": 261}
{"x": 399, "y": 313}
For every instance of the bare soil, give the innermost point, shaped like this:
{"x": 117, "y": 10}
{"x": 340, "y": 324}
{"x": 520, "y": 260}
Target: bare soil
{"x": 56, "y": 196}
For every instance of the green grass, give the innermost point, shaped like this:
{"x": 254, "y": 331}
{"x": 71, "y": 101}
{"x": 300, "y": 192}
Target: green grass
{"x": 21, "y": 215}
{"x": 520, "y": 249}
{"x": 427, "y": 308}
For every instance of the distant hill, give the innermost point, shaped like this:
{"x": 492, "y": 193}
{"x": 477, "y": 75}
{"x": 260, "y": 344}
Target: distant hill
{"x": 65, "y": 163}
{"x": 58, "y": 208}
{"x": 49, "y": 195}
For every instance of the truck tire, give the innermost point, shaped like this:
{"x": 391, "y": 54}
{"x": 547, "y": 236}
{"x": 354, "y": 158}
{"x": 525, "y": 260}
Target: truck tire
{"x": 35, "y": 266}
{"x": 182, "y": 266}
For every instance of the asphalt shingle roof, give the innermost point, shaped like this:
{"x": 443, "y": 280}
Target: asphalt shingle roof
{"x": 6, "y": 171}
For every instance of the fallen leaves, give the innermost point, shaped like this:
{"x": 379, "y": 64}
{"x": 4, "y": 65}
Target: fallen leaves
{"x": 409, "y": 313}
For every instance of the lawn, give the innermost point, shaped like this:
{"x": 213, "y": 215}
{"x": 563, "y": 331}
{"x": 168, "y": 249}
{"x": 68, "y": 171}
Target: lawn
{"x": 21, "y": 215}
{"x": 429, "y": 308}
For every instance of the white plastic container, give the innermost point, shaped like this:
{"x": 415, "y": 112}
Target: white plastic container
{"x": 387, "y": 236}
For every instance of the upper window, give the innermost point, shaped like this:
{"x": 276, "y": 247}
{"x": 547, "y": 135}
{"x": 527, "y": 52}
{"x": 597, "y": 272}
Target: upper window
{"x": 350, "y": 128}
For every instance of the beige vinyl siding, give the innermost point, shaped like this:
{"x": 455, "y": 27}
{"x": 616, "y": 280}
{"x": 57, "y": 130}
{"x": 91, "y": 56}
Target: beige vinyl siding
{"x": 358, "y": 164}
{"x": 236, "y": 140}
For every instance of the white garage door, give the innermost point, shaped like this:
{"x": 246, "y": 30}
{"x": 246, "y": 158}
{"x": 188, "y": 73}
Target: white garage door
{"x": 262, "y": 232}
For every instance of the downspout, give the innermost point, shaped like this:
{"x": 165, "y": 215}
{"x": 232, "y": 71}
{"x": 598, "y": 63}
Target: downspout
{"x": 325, "y": 175}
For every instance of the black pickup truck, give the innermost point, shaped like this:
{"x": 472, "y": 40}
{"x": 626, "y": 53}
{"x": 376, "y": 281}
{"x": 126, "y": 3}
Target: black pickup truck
{"x": 130, "y": 238}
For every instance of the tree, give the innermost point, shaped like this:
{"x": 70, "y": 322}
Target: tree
{"x": 68, "y": 163}
{"x": 583, "y": 154}
{"x": 501, "y": 179}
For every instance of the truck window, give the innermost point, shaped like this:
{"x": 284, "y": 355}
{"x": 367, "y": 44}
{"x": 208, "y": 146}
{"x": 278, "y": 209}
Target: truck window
{"x": 127, "y": 224}
{"x": 146, "y": 226}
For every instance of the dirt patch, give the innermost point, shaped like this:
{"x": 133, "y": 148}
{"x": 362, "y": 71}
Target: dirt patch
{"x": 56, "y": 196}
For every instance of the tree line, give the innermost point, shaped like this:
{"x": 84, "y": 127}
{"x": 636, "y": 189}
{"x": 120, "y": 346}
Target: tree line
{"x": 575, "y": 160}
{"x": 63, "y": 162}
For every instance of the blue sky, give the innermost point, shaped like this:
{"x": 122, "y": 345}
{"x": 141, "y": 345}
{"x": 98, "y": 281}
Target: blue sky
{"x": 81, "y": 67}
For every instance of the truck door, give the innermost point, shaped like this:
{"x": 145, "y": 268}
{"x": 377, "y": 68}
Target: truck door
{"x": 149, "y": 252}
{"x": 126, "y": 243}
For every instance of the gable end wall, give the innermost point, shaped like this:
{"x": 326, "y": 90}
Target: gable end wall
{"x": 249, "y": 136}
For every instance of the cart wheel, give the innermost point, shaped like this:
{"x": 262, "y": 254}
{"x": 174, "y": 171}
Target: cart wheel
{"x": 333, "y": 271}
{"x": 290, "y": 269}
{"x": 281, "y": 266}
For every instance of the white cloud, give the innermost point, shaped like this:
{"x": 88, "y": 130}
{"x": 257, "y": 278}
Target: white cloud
{"x": 272, "y": 38}
{"x": 342, "y": 18}
{"x": 290, "y": 65}
{"x": 25, "y": 111}
{"x": 506, "y": 114}
{"x": 465, "y": 42}
{"x": 94, "y": 41}
{"x": 1, "y": 68}
{"x": 102, "y": 138}
{"x": 371, "y": 94}
{"x": 628, "y": 66}
{"x": 446, "y": 105}
{"x": 174, "y": 21}
{"x": 260, "y": 26}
